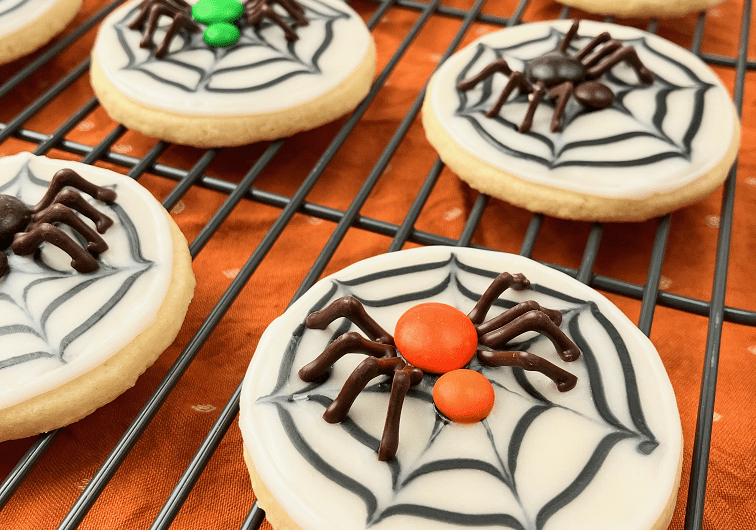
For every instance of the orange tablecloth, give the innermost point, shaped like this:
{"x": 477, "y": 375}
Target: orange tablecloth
{"x": 223, "y": 496}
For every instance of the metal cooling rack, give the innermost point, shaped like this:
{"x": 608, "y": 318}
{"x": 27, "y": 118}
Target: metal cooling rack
{"x": 649, "y": 294}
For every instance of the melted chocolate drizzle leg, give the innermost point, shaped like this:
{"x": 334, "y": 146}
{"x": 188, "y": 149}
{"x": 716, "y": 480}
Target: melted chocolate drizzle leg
{"x": 350, "y": 342}
{"x": 533, "y": 321}
{"x": 352, "y": 309}
{"x": 513, "y": 312}
{"x": 76, "y": 202}
{"x": 27, "y": 242}
{"x": 404, "y": 378}
{"x": 527, "y": 361}
{"x": 59, "y": 213}
{"x": 501, "y": 283}
{"x": 69, "y": 177}
{"x": 365, "y": 372}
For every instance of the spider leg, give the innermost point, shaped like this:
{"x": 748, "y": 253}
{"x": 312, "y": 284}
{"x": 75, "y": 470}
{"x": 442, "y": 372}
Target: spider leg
{"x": 611, "y": 47}
{"x": 69, "y": 177}
{"x": 501, "y": 283}
{"x": 59, "y": 213}
{"x": 259, "y": 10}
{"x": 403, "y": 378}
{"x": 178, "y": 21}
{"x": 351, "y": 308}
{"x": 366, "y": 371}
{"x": 563, "y": 379}
{"x": 562, "y": 93}
{"x": 513, "y": 312}
{"x": 516, "y": 80}
{"x": 627, "y": 54}
{"x": 26, "y": 243}
{"x": 499, "y": 65}
{"x": 569, "y": 36}
{"x": 350, "y": 342}
{"x": 75, "y": 201}
{"x": 295, "y": 10}
{"x": 535, "y": 99}
{"x": 595, "y": 41}
{"x": 3, "y": 264}
{"x": 533, "y": 321}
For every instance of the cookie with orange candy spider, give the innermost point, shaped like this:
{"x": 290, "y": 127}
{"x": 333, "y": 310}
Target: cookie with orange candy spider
{"x": 446, "y": 387}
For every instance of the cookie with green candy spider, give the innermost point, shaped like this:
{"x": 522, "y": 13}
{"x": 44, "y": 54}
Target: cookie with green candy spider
{"x": 222, "y": 73}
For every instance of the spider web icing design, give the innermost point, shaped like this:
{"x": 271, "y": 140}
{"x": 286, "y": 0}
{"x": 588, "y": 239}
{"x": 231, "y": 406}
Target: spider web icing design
{"x": 255, "y": 63}
{"x": 36, "y": 292}
{"x": 607, "y": 421}
{"x": 9, "y": 6}
{"x": 676, "y": 89}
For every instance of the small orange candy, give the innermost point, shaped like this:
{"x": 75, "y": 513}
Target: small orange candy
{"x": 436, "y": 337}
{"x": 464, "y": 396}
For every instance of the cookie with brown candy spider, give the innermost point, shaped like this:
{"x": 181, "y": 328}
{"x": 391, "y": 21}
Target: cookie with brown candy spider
{"x": 95, "y": 287}
{"x": 27, "y": 25}
{"x": 263, "y": 69}
{"x": 631, "y": 126}
{"x": 323, "y": 407}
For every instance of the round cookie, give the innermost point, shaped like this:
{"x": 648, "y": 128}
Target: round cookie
{"x": 72, "y": 341}
{"x": 261, "y": 88}
{"x": 26, "y": 25}
{"x": 658, "y": 146}
{"x": 642, "y": 8}
{"x": 605, "y": 454}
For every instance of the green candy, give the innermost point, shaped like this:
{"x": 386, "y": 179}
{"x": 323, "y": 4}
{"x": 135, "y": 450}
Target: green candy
{"x": 213, "y": 11}
{"x": 221, "y": 34}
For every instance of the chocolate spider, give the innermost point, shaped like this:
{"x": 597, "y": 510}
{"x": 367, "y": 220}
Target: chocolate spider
{"x": 383, "y": 358}
{"x": 23, "y": 229}
{"x": 182, "y": 17}
{"x": 256, "y": 10}
{"x": 150, "y": 11}
{"x": 559, "y": 76}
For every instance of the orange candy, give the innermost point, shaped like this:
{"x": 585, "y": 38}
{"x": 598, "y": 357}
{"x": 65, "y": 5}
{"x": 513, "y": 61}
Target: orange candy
{"x": 463, "y": 396}
{"x": 435, "y": 337}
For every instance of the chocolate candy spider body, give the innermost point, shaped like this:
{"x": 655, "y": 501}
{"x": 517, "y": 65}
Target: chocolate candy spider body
{"x": 434, "y": 338}
{"x": 23, "y": 229}
{"x": 559, "y": 76}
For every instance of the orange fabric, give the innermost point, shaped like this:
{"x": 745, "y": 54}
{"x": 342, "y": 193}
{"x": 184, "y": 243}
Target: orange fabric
{"x": 223, "y": 496}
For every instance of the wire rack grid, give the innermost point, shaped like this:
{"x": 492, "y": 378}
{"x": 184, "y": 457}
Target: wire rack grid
{"x": 395, "y": 142}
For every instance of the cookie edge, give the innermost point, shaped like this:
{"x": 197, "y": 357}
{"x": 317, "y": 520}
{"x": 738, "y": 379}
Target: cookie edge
{"x": 234, "y": 130}
{"x": 567, "y": 204}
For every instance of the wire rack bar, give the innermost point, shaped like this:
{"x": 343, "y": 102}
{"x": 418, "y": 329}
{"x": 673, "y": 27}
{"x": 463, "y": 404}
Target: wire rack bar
{"x": 705, "y": 418}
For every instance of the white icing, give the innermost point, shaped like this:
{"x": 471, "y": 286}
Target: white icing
{"x": 134, "y": 312}
{"x": 708, "y": 147}
{"x": 192, "y": 69}
{"x": 15, "y": 14}
{"x": 629, "y": 492}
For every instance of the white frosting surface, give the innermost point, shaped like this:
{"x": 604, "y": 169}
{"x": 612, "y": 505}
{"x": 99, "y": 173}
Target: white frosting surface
{"x": 56, "y": 323}
{"x": 520, "y": 468}
{"x": 655, "y": 138}
{"x": 15, "y": 14}
{"x": 263, "y": 72}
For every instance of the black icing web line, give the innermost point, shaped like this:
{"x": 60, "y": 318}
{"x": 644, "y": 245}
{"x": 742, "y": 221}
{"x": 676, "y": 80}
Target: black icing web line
{"x": 316, "y": 12}
{"x": 15, "y": 7}
{"x": 503, "y": 466}
{"x": 39, "y": 276}
{"x": 474, "y": 110}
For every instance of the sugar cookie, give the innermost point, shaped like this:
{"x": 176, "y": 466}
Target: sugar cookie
{"x": 591, "y": 442}
{"x": 263, "y": 87}
{"x": 73, "y": 341}
{"x": 666, "y": 139}
{"x": 26, "y": 25}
